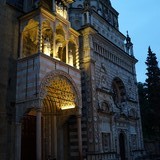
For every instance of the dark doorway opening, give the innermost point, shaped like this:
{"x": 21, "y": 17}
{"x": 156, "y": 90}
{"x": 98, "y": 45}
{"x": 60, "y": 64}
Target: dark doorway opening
{"x": 122, "y": 146}
{"x": 28, "y": 140}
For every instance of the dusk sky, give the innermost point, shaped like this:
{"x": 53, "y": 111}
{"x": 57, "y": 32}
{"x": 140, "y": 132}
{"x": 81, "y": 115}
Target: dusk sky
{"x": 142, "y": 20}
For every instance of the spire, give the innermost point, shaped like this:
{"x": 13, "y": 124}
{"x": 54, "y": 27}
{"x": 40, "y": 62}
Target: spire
{"x": 128, "y": 39}
{"x": 86, "y": 4}
{"x": 129, "y": 45}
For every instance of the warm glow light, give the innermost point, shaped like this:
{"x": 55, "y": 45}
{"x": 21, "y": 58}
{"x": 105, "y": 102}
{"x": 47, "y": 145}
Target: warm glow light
{"x": 67, "y": 107}
{"x": 47, "y": 47}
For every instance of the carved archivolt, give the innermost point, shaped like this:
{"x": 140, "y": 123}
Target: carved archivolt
{"x": 58, "y": 88}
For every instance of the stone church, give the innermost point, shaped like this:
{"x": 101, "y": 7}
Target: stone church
{"x": 68, "y": 86}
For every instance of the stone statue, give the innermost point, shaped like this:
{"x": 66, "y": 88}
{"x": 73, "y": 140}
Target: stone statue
{"x": 58, "y": 45}
{"x": 47, "y": 47}
{"x": 70, "y": 57}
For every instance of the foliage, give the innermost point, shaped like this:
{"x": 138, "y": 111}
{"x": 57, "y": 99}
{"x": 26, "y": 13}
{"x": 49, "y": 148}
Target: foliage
{"x": 149, "y": 97}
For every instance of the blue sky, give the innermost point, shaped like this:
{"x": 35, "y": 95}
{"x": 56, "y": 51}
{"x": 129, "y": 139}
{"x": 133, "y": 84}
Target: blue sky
{"x": 142, "y": 20}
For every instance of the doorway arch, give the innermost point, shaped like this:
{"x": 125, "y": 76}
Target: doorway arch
{"x": 53, "y": 114}
{"x": 122, "y": 146}
{"x": 28, "y": 137}
{"x": 60, "y": 105}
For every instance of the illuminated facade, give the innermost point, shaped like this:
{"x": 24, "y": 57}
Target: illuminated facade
{"x": 70, "y": 90}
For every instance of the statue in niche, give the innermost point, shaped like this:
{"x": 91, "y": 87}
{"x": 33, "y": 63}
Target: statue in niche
{"x": 65, "y": 13}
{"x": 47, "y": 47}
{"x": 70, "y": 57}
{"x": 61, "y": 9}
{"x": 58, "y": 47}
{"x": 99, "y": 11}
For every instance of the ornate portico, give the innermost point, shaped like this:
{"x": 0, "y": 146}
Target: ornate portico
{"x": 54, "y": 99}
{"x": 48, "y": 91}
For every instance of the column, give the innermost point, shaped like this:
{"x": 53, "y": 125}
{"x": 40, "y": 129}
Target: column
{"x": 87, "y": 17}
{"x": 40, "y": 35}
{"x": 67, "y": 52}
{"x": 50, "y": 135}
{"x": 54, "y": 44}
{"x": 77, "y": 57}
{"x": 55, "y": 135}
{"x": 18, "y": 141}
{"x": 38, "y": 135}
{"x": 21, "y": 54}
{"x": 79, "y": 137}
{"x": 53, "y": 6}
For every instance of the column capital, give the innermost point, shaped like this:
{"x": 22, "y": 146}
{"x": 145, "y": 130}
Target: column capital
{"x": 38, "y": 109}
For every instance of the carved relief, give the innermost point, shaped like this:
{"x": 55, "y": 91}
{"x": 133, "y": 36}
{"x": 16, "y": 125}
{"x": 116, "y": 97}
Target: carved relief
{"x": 104, "y": 107}
{"x": 30, "y": 38}
{"x": 119, "y": 93}
{"x": 134, "y": 141}
{"x": 61, "y": 9}
{"x": 59, "y": 88}
{"x": 103, "y": 81}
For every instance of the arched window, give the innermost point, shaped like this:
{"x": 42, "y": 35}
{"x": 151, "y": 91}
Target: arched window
{"x": 119, "y": 93}
{"x": 30, "y": 38}
{"x": 72, "y": 53}
{"x": 47, "y": 38}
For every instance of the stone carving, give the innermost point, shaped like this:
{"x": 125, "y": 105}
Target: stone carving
{"x": 58, "y": 46}
{"x": 56, "y": 79}
{"x": 47, "y": 47}
{"x": 30, "y": 38}
{"x": 61, "y": 10}
{"x": 134, "y": 141}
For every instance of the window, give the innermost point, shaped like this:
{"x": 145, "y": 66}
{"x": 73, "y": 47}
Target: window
{"x": 119, "y": 93}
{"x": 105, "y": 141}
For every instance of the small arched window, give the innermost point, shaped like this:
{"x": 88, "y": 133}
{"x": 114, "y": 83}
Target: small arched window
{"x": 119, "y": 93}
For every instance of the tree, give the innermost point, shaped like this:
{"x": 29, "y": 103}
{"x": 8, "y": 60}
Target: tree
{"x": 145, "y": 110}
{"x": 153, "y": 92}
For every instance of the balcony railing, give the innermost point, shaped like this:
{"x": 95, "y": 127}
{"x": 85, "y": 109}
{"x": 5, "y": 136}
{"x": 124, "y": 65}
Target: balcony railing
{"x": 102, "y": 156}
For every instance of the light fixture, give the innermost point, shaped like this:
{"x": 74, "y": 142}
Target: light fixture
{"x": 64, "y": 107}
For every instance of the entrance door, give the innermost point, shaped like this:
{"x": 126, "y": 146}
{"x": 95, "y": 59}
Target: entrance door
{"x": 28, "y": 141}
{"x": 122, "y": 146}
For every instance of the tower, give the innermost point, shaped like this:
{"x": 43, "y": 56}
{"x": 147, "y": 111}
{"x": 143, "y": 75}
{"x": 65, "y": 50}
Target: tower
{"x": 70, "y": 88}
{"x": 109, "y": 88}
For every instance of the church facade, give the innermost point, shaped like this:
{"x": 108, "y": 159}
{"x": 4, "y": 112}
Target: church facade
{"x": 68, "y": 83}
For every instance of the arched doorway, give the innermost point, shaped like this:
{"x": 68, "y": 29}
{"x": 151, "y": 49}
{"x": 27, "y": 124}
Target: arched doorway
{"x": 122, "y": 146}
{"x": 28, "y": 137}
{"x": 47, "y": 127}
{"x": 59, "y": 108}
